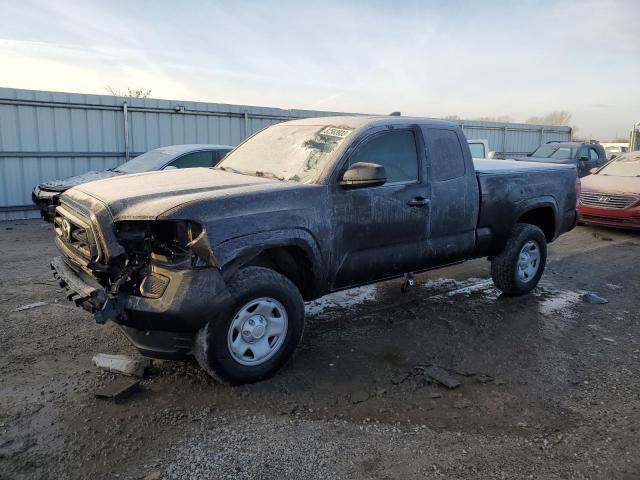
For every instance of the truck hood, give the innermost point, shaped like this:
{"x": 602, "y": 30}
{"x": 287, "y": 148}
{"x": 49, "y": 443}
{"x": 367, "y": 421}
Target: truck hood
{"x": 147, "y": 196}
{"x": 65, "y": 183}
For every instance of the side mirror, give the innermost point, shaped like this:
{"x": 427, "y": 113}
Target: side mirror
{"x": 364, "y": 174}
{"x": 170, "y": 167}
{"x": 583, "y": 159}
{"x": 593, "y": 170}
{"x": 491, "y": 155}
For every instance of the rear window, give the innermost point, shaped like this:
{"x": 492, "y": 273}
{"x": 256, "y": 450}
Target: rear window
{"x": 477, "y": 150}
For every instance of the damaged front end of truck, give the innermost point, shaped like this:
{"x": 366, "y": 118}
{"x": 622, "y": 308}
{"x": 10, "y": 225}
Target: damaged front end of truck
{"x": 157, "y": 279}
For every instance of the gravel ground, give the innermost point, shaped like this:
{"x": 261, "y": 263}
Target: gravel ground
{"x": 549, "y": 383}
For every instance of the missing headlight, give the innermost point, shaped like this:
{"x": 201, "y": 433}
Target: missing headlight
{"x": 167, "y": 242}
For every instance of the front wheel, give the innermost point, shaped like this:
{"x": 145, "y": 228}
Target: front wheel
{"x": 257, "y": 333}
{"x": 518, "y": 268}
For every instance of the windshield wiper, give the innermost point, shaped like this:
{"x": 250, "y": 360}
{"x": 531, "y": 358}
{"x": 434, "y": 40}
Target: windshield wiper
{"x": 229, "y": 169}
{"x": 269, "y": 175}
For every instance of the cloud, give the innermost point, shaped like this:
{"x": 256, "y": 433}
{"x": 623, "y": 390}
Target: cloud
{"x": 430, "y": 58}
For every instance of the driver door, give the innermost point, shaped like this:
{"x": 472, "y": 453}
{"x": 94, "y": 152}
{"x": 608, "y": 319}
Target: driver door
{"x": 382, "y": 231}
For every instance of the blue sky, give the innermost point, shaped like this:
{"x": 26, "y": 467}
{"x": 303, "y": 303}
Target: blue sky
{"x": 428, "y": 58}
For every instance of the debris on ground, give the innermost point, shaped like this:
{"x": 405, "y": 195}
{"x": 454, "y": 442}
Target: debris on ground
{"x": 485, "y": 378}
{"x": 118, "y": 390}
{"x": 421, "y": 380}
{"x": 442, "y": 376}
{"x": 30, "y": 306}
{"x": 359, "y": 396}
{"x": 602, "y": 237}
{"x": 153, "y": 476}
{"x": 134, "y": 367}
{"x": 462, "y": 403}
{"x": 401, "y": 377}
{"x": 594, "y": 299}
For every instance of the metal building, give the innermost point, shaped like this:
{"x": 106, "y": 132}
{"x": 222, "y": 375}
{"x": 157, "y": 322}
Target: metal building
{"x": 49, "y": 135}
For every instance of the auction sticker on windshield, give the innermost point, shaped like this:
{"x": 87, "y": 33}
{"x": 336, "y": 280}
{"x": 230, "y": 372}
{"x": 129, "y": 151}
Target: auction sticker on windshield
{"x": 335, "y": 132}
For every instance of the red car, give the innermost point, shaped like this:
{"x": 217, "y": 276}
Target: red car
{"x": 611, "y": 196}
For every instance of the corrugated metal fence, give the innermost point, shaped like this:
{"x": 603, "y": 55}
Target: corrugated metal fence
{"x": 49, "y": 135}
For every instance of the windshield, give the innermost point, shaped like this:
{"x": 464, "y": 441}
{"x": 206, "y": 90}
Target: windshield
{"x": 553, "y": 153}
{"x": 623, "y": 166}
{"x": 293, "y": 153}
{"x": 147, "y": 162}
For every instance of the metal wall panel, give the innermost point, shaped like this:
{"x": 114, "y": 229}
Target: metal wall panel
{"x": 49, "y": 135}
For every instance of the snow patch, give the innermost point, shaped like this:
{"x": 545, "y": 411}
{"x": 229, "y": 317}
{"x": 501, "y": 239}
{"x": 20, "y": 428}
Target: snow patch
{"x": 484, "y": 286}
{"x": 343, "y": 299}
{"x": 559, "y": 301}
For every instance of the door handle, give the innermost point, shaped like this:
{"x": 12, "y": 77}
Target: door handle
{"x": 418, "y": 202}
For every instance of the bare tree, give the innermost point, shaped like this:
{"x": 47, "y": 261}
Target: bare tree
{"x": 557, "y": 117}
{"x": 499, "y": 118}
{"x": 130, "y": 92}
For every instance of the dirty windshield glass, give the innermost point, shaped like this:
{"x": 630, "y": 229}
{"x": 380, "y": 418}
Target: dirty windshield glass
{"x": 293, "y": 153}
{"x": 552, "y": 154}
{"x": 624, "y": 166}
{"x": 146, "y": 162}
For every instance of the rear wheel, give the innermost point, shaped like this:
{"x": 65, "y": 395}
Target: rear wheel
{"x": 518, "y": 268}
{"x": 258, "y": 333}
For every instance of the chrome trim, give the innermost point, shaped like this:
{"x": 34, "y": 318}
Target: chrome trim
{"x": 607, "y": 200}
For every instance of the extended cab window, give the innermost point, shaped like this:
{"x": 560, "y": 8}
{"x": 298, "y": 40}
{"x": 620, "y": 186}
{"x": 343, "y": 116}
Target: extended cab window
{"x": 593, "y": 155}
{"x": 583, "y": 152}
{"x": 445, "y": 154}
{"x": 195, "y": 159}
{"x": 395, "y": 151}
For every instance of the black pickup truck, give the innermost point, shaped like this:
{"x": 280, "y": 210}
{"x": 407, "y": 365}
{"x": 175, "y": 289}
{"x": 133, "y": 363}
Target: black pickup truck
{"x": 217, "y": 262}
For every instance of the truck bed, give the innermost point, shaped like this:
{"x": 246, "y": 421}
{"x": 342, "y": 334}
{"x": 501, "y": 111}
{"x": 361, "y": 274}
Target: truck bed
{"x": 484, "y": 166}
{"x": 509, "y": 187}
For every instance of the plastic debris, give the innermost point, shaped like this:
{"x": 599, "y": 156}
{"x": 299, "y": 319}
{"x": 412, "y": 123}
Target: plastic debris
{"x": 594, "y": 299}
{"x": 442, "y": 376}
{"x": 118, "y": 390}
{"x": 30, "y": 306}
{"x": 133, "y": 367}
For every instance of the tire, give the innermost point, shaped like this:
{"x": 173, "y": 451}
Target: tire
{"x": 506, "y": 267}
{"x": 254, "y": 291}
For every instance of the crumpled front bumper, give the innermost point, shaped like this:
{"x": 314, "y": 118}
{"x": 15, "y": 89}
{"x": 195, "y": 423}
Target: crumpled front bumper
{"x": 161, "y": 327}
{"x": 46, "y": 201}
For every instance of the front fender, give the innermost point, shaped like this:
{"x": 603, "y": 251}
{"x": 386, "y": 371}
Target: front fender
{"x": 237, "y": 251}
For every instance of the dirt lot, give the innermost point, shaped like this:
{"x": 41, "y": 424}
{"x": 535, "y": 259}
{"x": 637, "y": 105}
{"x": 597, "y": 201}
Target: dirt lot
{"x": 550, "y": 385}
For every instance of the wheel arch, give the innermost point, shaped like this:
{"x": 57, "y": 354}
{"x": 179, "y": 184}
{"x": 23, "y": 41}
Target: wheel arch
{"x": 543, "y": 214}
{"x": 293, "y": 253}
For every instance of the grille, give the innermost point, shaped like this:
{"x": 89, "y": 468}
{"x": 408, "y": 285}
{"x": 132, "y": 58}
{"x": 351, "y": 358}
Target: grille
{"x": 75, "y": 232}
{"x": 607, "y": 200}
